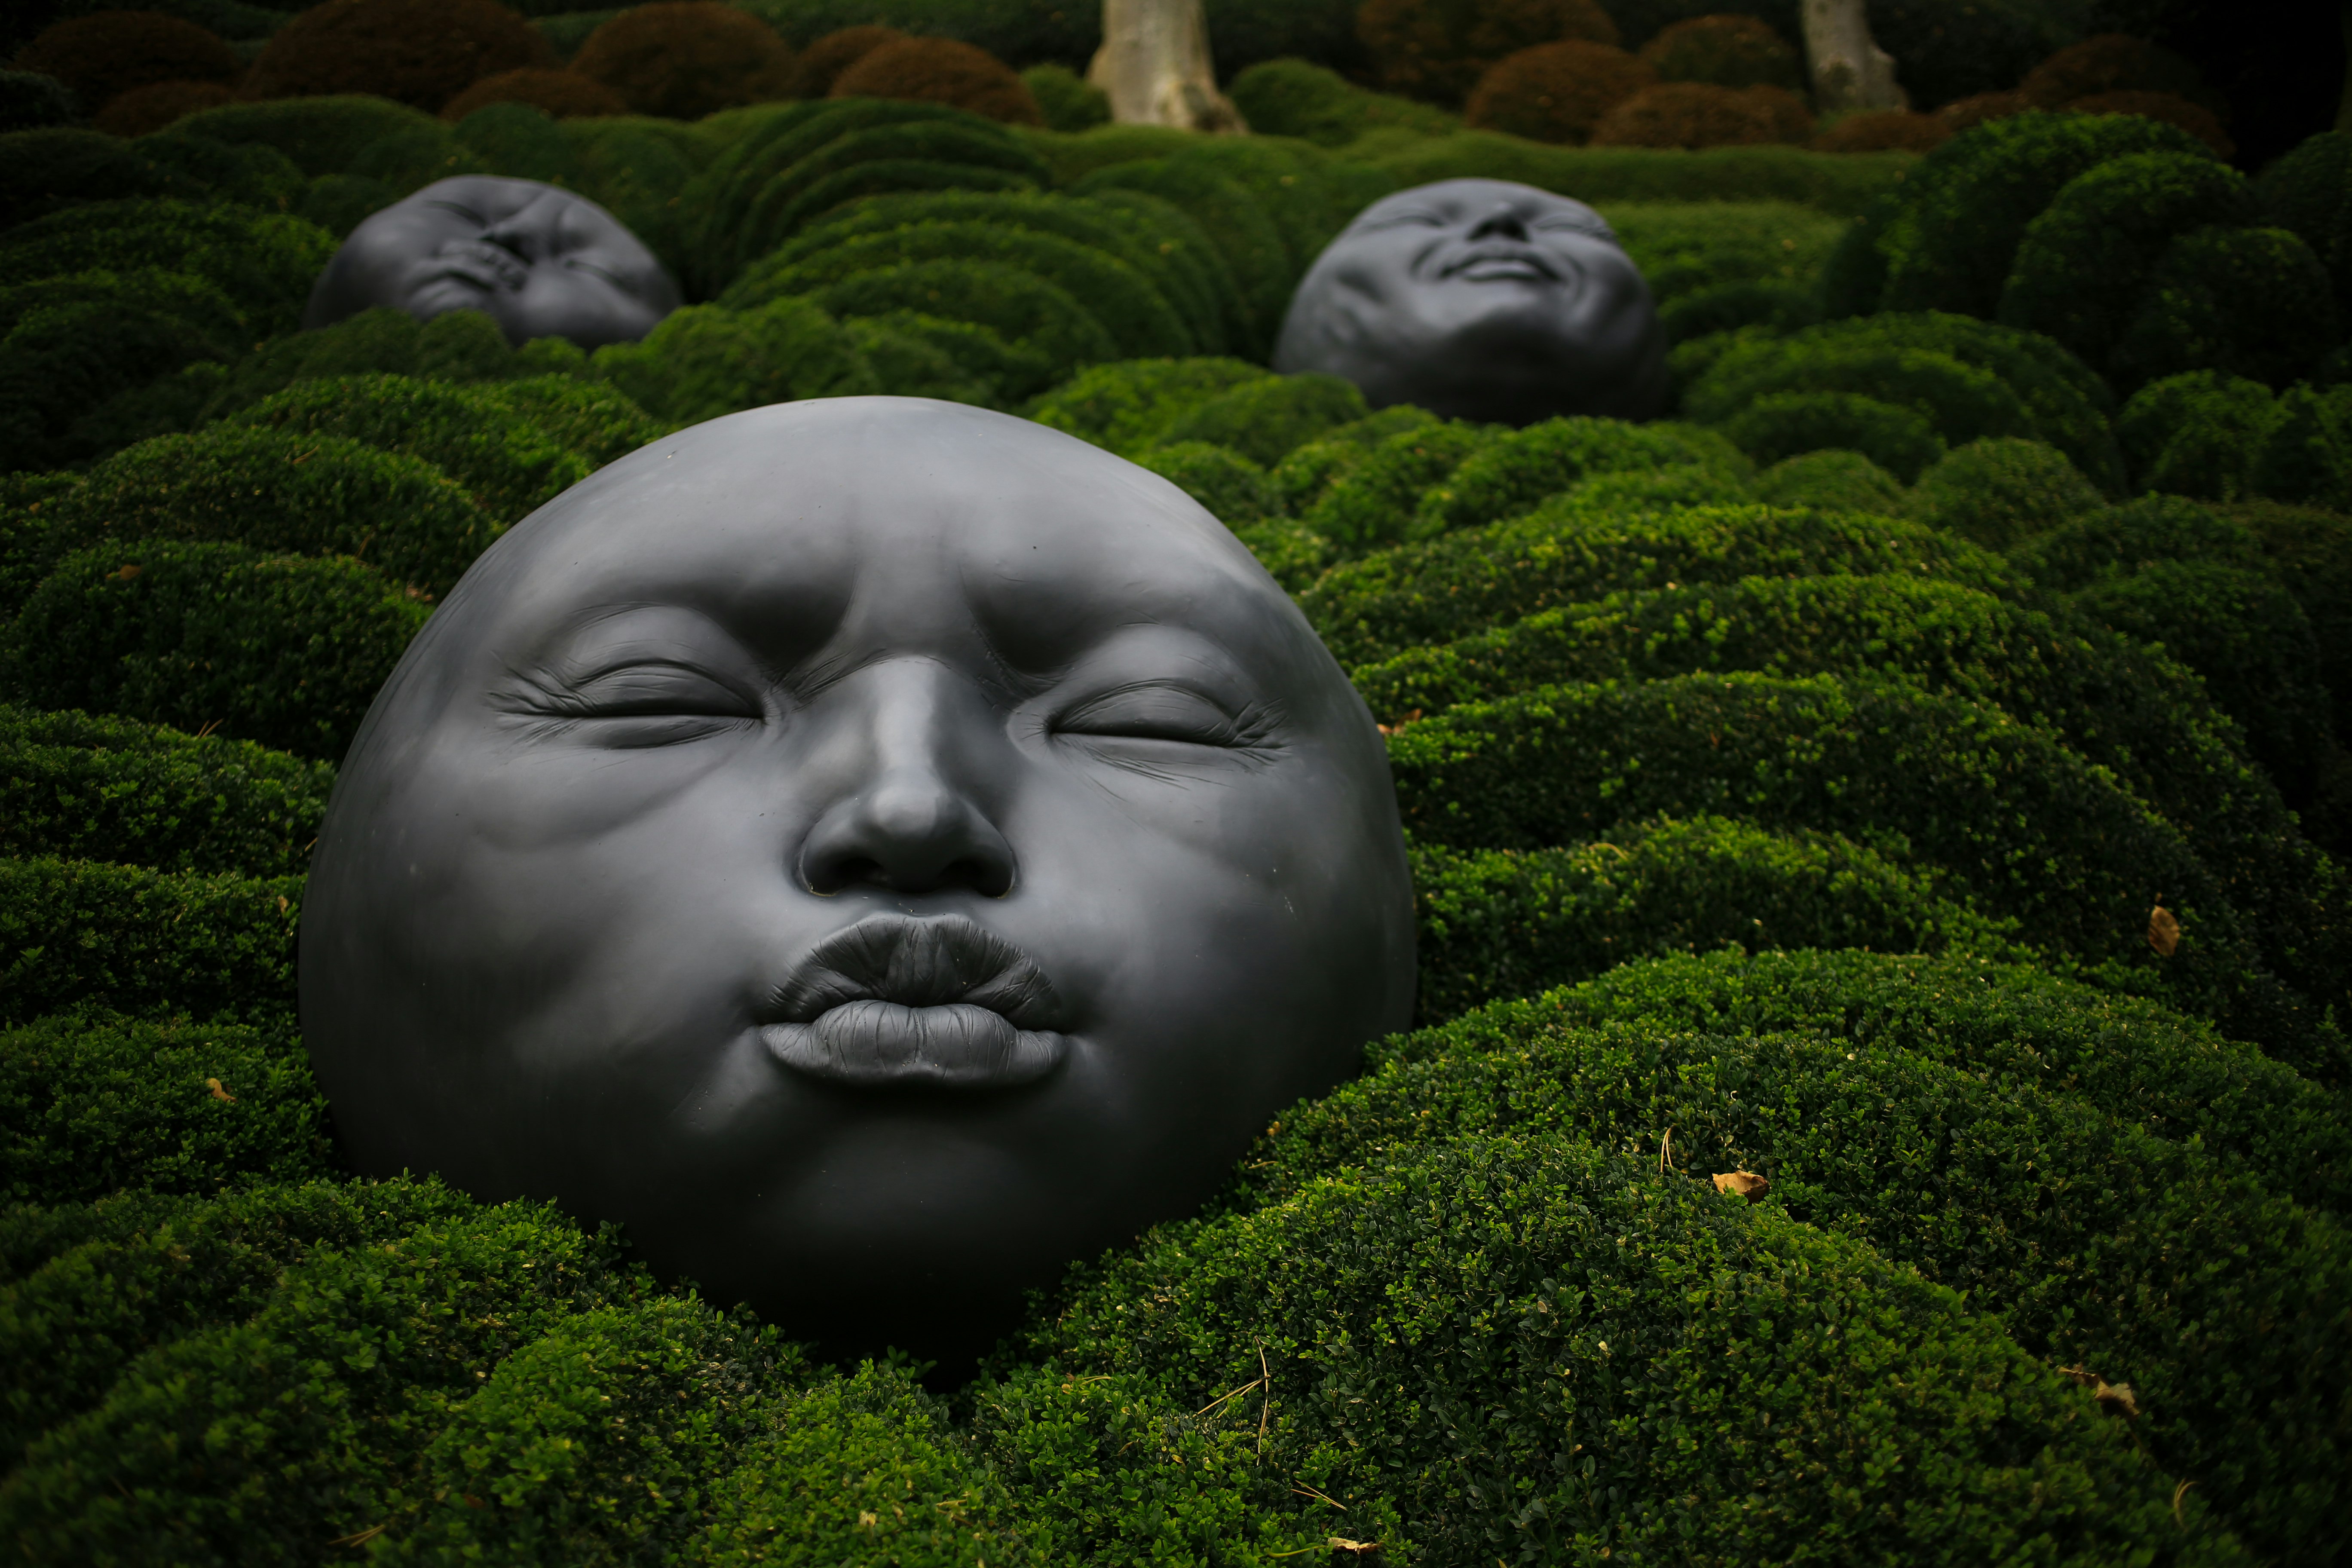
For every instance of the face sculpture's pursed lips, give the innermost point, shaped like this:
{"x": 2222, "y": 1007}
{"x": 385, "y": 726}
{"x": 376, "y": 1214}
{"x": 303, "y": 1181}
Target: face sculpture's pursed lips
{"x": 896, "y": 1002}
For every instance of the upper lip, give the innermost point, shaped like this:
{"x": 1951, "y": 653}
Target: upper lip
{"x": 928, "y": 962}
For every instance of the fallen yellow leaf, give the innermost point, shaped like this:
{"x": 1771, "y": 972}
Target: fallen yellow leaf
{"x": 2163, "y": 931}
{"x": 1742, "y": 1183}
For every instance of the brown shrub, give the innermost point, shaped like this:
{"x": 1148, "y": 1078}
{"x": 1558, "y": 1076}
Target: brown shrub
{"x": 111, "y": 52}
{"x": 558, "y": 94}
{"x": 1439, "y": 50}
{"x": 1728, "y": 51}
{"x": 822, "y": 63}
{"x": 418, "y": 52}
{"x": 2115, "y": 62}
{"x": 1693, "y": 114}
{"x": 686, "y": 58}
{"x": 156, "y": 105}
{"x": 1885, "y": 130}
{"x": 2171, "y": 108}
{"x": 1555, "y": 93}
{"x": 941, "y": 70}
{"x": 1966, "y": 113}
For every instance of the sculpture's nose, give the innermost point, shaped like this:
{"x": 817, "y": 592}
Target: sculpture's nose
{"x": 908, "y": 820}
{"x": 525, "y": 231}
{"x": 1504, "y": 222}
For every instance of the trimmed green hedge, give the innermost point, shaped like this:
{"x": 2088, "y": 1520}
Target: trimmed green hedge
{"x": 797, "y": 161}
{"x": 264, "y": 262}
{"x": 1464, "y": 583}
{"x": 502, "y": 458}
{"x": 105, "y": 788}
{"x": 2099, "y": 1259}
{"x": 705, "y": 361}
{"x": 1965, "y": 379}
{"x": 287, "y": 650}
{"x": 1536, "y": 1348}
{"x": 96, "y": 1103}
{"x": 275, "y": 488}
{"x": 82, "y": 932}
{"x": 2024, "y": 825}
{"x": 2001, "y": 490}
{"x": 1511, "y": 922}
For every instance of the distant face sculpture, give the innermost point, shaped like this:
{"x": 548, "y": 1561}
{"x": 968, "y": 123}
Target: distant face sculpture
{"x": 542, "y": 262}
{"x": 879, "y": 850}
{"x": 1481, "y": 300}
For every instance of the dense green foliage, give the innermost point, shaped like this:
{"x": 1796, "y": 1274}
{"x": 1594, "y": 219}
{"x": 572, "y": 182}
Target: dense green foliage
{"x": 1912, "y": 772}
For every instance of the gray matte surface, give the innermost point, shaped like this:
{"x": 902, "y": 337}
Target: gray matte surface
{"x": 878, "y": 849}
{"x": 541, "y": 261}
{"x": 1481, "y": 300}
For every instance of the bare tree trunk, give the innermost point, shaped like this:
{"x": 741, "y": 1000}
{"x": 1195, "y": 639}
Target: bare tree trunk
{"x": 1154, "y": 64}
{"x": 1850, "y": 70}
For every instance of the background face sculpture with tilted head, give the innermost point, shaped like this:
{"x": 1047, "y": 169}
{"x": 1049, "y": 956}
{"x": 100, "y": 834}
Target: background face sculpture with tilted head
{"x": 541, "y": 261}
{"x": 879, "y": 850}
{"x": 1481, "y": 300}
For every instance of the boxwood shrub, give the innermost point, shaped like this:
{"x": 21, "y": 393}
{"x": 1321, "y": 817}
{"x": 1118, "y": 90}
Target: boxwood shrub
{"x": 145, "y": 941}
{"x": 1467, "y": 582}
{"x": 98, "y": 1103}
{"x": 2062, "y": 848}
{"x": 98, "y": 787}
{"x": 1922, "y": 1157}
{"x": 282, "y": 487}
{"x": 287, "y": 650}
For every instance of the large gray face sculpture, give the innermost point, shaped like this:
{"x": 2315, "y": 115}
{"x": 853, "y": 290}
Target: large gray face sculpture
{"x": 879, "y": 850}
{"x": 542, "y": 262}
{"x": 1481, "y": 300}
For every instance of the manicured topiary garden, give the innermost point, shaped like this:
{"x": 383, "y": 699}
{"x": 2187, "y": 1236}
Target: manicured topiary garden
{"x": 1882, "y": 1086}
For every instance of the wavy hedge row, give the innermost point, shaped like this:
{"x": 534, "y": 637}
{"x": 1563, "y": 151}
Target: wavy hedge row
{"x": 1855, "y": 781}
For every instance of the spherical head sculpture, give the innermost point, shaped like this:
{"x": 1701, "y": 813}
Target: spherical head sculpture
{"x": 879, "y": 850}
{"x": 540, "y": 261}
{"x": 1481, "y": 300}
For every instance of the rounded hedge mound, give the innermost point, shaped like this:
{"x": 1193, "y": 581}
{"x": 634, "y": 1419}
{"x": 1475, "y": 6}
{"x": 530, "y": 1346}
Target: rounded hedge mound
{"x": 558, "y": 94}
{"x": 145, "y": 110}
{"x": 685, "y": 59}
{"x": 2169, "y": 107}
{"x": 287, "y": 650}
{"x": 29, "y": 101}
{"x": 1885, "y": 130}
{"x": 1555, "y": 93}
{"x": 1438, "y": 50}
{"x": 80, "y": 787}
{"x": 818, "y": 65}
{"x": 2115, "y": 62}
{"x": 422, "y": 52}
{"x": 106, "y": 53}
{"x": 940, "y": 70}
{"x": 1696, "y": 114}
{"x": 279, "y": 490}
{"x": 1726, "y": 51}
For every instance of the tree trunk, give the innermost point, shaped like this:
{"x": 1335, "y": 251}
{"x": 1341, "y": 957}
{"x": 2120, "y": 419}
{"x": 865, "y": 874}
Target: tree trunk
{"x": 1850, "y": 70}
{"x": 1154, "y": 64}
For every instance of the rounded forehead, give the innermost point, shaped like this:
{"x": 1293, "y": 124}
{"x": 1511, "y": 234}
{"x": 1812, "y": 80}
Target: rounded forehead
{"x": 860, "y": 491}
{"x": 1460, "y": 200}
{"x": 470, "y": 202}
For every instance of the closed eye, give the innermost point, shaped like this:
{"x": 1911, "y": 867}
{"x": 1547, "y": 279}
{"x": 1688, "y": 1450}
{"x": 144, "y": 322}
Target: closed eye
{"x": 575, "y": 264}
{"x": 651, "y": 702}
{"x": 1155, "y": 710}
{"x": 1576, "y": 225}
{"x": 1420, "y": 216}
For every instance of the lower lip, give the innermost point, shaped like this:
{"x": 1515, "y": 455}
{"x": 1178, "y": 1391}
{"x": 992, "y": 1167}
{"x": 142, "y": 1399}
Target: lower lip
{"x": 1503, "y": 273}
{"x": 882, "y": 1044}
